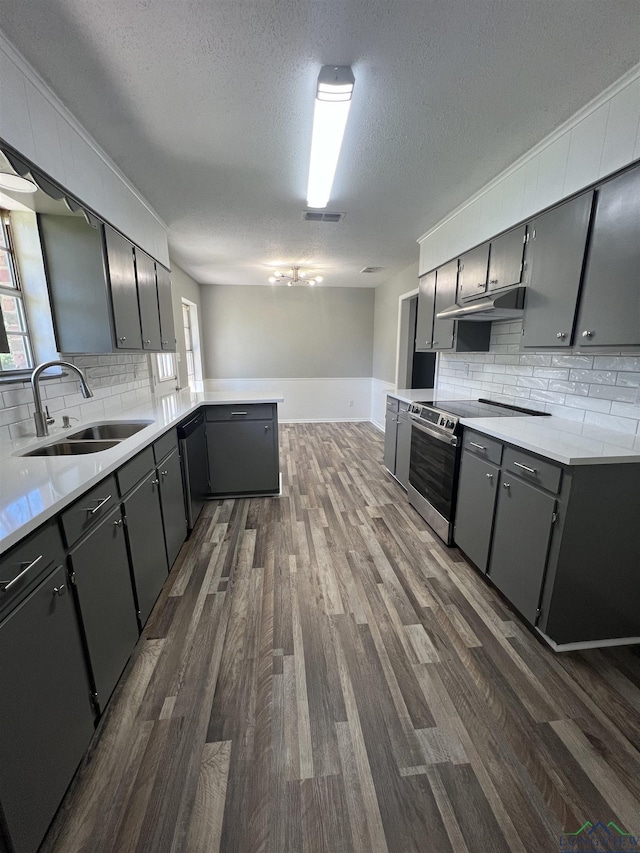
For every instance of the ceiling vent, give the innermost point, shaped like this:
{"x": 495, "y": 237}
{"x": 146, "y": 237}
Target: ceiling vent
{"x": 319, "y": 216}
{"x": 372, "y": 269}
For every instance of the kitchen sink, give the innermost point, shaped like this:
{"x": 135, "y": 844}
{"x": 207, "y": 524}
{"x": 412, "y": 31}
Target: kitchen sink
{"x": 72, "y": 448}
{"x": 117, "y": 430}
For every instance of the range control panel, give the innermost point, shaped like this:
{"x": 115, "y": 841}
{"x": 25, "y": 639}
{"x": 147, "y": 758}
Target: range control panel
{"x": 443, "y": 420}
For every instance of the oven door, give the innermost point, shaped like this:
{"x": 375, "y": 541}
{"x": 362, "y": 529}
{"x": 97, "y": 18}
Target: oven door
{"x": 433, "y": 472}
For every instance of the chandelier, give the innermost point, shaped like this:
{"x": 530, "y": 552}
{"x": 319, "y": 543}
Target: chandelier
{"x": 294, "y": 276}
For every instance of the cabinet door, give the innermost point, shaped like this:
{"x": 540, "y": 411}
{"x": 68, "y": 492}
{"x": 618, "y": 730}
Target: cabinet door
{"x": 477, "y": 489}
{"x": 426, "y": 305}
{"x": 124, "y": 293}
{"x": 610, "y": 303}
{"x": 243, "y": 457}
{"x": 521, "y": 536}
{"x": 557, "y": 245}
{"x": 446, "y": 289}
{"x": 472, "y": 278}
{"x": 505, "y": 259}
{"x": 403, "y": 449}
{"x": 46, "y": 719}
{"x": 165, "y": 305}
{"x": 146, "y": 543}
{"x": 172, "y": 502}
{"x": 390, "y": 435}
{"x": 103, "y": 585}
{"x": 148, "y": 301}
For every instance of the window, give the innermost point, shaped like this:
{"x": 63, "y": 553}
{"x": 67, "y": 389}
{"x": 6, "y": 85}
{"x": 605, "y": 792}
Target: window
{"x": 20, "y": 356}
{"x": 166, "y": 366}
{"x": 188, "y": 343}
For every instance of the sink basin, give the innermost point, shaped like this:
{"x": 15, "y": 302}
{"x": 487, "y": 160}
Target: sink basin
{"x": 117, "y": 430}
{"x": 72, "y": 448}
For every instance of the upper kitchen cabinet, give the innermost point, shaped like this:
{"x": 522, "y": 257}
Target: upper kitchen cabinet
{"x": 165, "y": 305}
{"x": 148, "y": 301}
{"x": 121, "y": 276}
{"x": 472, "y": 279}
{"x": 506, "y": 259}
{"x": 610, "y": 304}
{"x": 555, "y": 261}
{"x": 437, "y": 293}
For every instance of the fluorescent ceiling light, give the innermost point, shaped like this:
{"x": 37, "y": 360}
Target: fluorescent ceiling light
{"x": 333, "y": 99}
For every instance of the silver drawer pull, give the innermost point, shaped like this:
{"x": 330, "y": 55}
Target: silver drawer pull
{"x": 525, "y": 468}
{"x": 489, "y": 476}
{"x": 164, "y": 473}
{"x": 59, "y": 590}
{"x": 239, "y": 413}
{"x": 96, "y": 508}
{"x": 155, "y": 482}
{"x": 118, "y": 523}
{"x": 479, "y": 446}
{"x": 506, "y": 485}
{"x": 6, "y": 585}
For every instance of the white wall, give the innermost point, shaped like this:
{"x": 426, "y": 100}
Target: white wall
{"x": 183, "y": 286}
{"x": 36, "y": 123}
{"x": 600, "y": 139}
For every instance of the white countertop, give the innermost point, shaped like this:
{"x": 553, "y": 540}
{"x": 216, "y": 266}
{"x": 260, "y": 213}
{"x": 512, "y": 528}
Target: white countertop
{"x": 565, "y": 441}
{"x": 427, "y": 395}
{"x": 35, "y": 488}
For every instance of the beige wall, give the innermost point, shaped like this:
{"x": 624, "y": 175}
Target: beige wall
{"x": 183, "y": 285}
{"x": 385, "y": 336}
{"x": 286, "y": 332}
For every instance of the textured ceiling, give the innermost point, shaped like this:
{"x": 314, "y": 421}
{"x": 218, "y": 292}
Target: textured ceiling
{"x": 207, "y": 107}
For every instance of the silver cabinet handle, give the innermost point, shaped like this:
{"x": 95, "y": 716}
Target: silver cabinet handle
{"x": 525, "y": 468}
{"x": 493, "y": 281}
{"x": 147, "y": 342}
{"x": 122, "y": 339}
{"x": 59, "y": 590}
{"x": 587, "y": 334}
{"x": 6, "y": 585}
{"x": 233, "y": 414}
{"x": 561, "y": 336}
{"x": 506, "y": 485}
{"x": 489, "y": 476}
{"x": 164, "y": 473}
{"x": 266, "y": 429}
{"x": 96, "y": 508}
{"x": 481, "y": 284}
{"x": 155, "y": 482}
{"x": 428, "y": 343}
{"x": 479, "y": 446}
{"x": 118, "y": 523}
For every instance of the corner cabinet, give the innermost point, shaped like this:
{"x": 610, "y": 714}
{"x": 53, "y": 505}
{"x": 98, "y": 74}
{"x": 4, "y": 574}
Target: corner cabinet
{"x": 242, "y": 448}
{"x": 535, "y": 527}
{"x": 106, "y": 294}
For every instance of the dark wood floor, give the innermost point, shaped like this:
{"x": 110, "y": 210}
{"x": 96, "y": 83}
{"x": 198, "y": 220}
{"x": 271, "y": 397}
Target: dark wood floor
{"x": 321, "y": 674}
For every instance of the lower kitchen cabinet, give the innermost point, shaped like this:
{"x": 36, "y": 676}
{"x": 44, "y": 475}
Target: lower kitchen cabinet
{"x": 145, "y": 535}
{"x": 390, "y": 434}
{"x": 172, "y": 504}
{"x": 101, "y": 576}
{"x": 477, "y": 489}
{"x": 242, "y": 448}
{"x": 397, "y": 440}
{"x": 521, "y": 536}
{"x": 46, "y": 718}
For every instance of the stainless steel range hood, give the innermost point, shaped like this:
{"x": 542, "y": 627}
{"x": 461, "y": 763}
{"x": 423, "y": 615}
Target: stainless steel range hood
{"x": 502, "y": 306}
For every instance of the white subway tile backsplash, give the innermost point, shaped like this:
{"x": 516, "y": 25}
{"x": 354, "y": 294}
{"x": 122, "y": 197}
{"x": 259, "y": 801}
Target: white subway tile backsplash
{"x": 618, "y": 362}
{"x": 576, "y": 361}
{"x": 588, "y": 403}
{"x": 548, "y": 397}
{"x": 564, "y": 387}
{"x": 604, "y": 377}
{"x": 611, "y": 422}
{"x": 551, "y": 372}
{"x": 628, "y": 378}
{"x": 613, "y": 392}
{"x": 538, "y": 359}
{"x": 533, "y": 382}
{"x": 565, "y": 413}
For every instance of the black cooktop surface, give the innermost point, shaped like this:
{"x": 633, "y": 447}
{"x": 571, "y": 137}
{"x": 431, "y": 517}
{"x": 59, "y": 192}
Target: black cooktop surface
{"x": 482, "y": 408}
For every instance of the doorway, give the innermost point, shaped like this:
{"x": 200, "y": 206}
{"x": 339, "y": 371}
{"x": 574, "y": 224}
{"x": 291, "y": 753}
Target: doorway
{"x": 413, "y": 369}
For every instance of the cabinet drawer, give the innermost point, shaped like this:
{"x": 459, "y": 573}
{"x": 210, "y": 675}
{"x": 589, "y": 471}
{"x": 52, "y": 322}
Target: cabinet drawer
{"x": 532, "y": 469}
{"x": 90, "y": 508}
{"x": 403, "y": 407}
{"x": 27, "y": 561}
{"x": 392, "y": 404}
{"x": 241, "y": 412}
{"x": 165, "y": 444}
{"x": 483, "y": 446}
{"x": 134, "y": 470}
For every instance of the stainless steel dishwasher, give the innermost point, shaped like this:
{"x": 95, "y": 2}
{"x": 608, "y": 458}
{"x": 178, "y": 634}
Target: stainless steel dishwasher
{"x": 195, "y": 472}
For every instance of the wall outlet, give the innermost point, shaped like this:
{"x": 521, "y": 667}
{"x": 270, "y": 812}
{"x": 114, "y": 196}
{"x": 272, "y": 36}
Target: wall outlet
{"x": 351, "y": 404}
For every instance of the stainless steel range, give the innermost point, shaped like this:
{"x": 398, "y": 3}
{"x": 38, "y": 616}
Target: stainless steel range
{"x": 435, "y": 454}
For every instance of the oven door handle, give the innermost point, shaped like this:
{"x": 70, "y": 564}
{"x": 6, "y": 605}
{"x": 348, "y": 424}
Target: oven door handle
{"x": 440, "y": 436}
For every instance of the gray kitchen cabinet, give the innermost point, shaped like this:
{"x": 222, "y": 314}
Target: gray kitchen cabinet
{"x": 477, "y": 490}
{"x": 555, "y": 260}
{"x": 438, "y": 292}
{"x": 403, "y": 448}
{"x": 102, "y": 581}
{"x": 46, "y": 718}
{"x": 148, "y": 301}
{"x": 145, "y": 537}
{"x": 609, "y": 313}
{"x": 390, "y": 434}
{"x": 242, "y": 449}
{"x": 426, "y": 308}
{"x": 172, "y": 504}
{"x": 506, "y": 259}
{"x": 473, "y": 273}
{"x": 165, "y": 306}
{"x": 121, "y": 275}
{"x": 521, "y": 536}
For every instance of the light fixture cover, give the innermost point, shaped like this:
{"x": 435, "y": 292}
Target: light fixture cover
{"x": 16, "y": 184}
{"x": 333, "y": 99}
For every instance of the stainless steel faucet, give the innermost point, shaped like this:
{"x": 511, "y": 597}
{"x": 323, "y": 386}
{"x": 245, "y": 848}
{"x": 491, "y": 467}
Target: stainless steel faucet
{"x": 42, "y": 427}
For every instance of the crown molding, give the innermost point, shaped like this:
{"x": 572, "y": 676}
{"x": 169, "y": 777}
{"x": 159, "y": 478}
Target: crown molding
{"x": 47, "y": 92}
